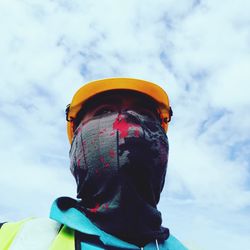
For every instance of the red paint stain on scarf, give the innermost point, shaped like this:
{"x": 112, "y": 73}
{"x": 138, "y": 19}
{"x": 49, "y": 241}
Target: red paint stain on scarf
{"x": 106, "y": 206}
{"x": 106, "y": 164}
{"x": 102, "y": 131}
{"x": 112, "y": 153}
{"x": 123, "y": 126}
{"x": 79, "y": 129}
{"x": 137, "y": 133}
{"x": 95, "y": 209}
{"x": 78, "y": 163}
{"x": 112, "y": 133}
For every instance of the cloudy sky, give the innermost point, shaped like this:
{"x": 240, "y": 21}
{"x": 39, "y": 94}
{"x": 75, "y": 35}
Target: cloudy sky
{"x": 198, "y": 51}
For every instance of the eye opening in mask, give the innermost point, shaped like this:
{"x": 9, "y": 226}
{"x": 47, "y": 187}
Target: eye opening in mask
{"x": 108, "y": 102}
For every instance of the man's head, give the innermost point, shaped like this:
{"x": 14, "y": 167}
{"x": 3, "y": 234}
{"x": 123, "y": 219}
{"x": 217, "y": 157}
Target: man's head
{"x": 119, "y": 155}
{"x": 127, "y": 92}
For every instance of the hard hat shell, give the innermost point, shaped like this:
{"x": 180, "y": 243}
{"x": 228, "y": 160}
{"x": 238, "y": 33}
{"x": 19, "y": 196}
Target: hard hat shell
{"x": 99, "y": 86}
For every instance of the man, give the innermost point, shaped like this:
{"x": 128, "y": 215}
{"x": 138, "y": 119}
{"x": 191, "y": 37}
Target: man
{"x": 119, "y": 153}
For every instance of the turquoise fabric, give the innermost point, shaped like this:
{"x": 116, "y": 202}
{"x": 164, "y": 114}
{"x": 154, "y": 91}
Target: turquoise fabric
{"x": 78, "y": 221}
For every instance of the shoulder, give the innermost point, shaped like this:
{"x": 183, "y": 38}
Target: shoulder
{"x": 31, "y": 223}
{"x": 29, "y": 232}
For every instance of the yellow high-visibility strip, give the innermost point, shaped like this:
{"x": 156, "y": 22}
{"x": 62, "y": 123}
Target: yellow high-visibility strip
{"x": 8, "y": 232}
{"x": 65, "y": 240}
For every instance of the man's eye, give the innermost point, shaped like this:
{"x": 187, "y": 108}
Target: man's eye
{"x": 104, "y": 110}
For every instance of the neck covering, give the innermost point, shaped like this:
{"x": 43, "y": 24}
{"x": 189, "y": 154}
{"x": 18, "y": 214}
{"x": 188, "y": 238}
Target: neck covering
{"x": 119, "y": 161}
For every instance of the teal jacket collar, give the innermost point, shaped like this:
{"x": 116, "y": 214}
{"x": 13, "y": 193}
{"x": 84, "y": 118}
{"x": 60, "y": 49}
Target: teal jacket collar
{"x": 77, "y": 220}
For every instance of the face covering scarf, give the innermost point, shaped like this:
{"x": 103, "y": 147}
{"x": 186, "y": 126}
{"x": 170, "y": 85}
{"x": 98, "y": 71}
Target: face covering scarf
{"x": 119, "y": 161}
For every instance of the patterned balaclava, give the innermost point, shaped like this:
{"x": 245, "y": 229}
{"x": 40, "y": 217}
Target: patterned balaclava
{"x": 119, "y": 161}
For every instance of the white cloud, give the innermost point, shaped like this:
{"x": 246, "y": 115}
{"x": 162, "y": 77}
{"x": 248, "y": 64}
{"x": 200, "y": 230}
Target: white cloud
{"x": 197, "y": 50}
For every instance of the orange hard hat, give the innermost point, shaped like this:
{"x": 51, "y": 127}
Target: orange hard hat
{"x": 96, "y": 87}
